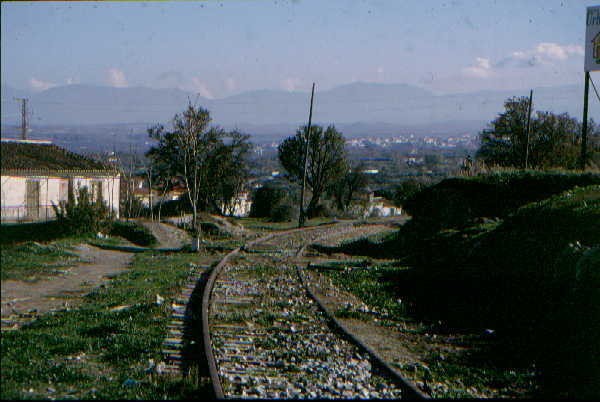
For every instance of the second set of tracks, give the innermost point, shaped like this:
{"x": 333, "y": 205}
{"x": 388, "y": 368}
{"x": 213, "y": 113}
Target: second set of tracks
{"x": 265, "y": 336}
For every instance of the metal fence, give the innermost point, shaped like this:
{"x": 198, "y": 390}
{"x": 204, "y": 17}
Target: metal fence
{"x": 18, "y": 214}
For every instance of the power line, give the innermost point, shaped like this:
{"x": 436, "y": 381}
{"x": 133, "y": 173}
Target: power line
{"x": 594, "y": 86}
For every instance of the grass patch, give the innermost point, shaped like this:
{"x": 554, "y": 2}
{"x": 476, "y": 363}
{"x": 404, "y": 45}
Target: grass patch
{"x": 32, "y": 261}
{"x": 93, "y": 352}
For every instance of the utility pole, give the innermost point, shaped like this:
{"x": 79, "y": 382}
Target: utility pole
{"x": 528, "y": 129}
{"x": 24, "y": 115}
{"x": 301, "y": 218}
{"x": 586, "y": 91}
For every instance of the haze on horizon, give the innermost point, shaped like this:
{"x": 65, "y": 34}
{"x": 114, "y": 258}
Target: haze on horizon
{"x": 218, "y": 49}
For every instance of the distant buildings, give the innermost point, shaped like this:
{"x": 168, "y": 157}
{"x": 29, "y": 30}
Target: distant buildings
{"x": 37, "y": 175}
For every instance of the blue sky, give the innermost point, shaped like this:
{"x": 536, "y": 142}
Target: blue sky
{"x": 223, "y": 48}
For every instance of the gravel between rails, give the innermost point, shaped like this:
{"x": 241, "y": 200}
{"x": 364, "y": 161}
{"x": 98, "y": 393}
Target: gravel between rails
{"x": 270, "y": 340}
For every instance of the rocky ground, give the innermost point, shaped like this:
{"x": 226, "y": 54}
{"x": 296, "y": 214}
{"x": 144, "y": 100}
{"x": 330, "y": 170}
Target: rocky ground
{"x": 271, "y": 340}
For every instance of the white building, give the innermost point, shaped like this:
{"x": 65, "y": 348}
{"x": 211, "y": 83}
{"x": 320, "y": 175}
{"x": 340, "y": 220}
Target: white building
{"x": 239, "y": 206}
{"x": 37, "y": 175}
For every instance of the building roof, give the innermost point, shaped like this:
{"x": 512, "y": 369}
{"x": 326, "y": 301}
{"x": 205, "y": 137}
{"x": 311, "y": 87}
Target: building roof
{"x": 45, "y": 157}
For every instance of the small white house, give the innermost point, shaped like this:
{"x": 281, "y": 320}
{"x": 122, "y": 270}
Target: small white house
{"x": 379, "y": 207}
{"x": 37, "y": 175}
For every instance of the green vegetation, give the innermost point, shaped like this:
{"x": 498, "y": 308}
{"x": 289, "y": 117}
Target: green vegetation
{"x": 450, "y": 375}
{"x": 518, "y": 253}
{"x": 31, "y": 260}
{"x": 101, "y": 349}
{"x": 456, "y": 202}
{"x": 81, "y": 214}
{"x": 23, "y": 232}
{"x": 210, "y": 161}
{"x": 326, "y": 163}
{"x": 133, "y": 232}
{"x": 554, "y": 140}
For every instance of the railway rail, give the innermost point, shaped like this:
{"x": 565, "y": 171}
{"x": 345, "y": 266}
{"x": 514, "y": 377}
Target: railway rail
{"x": 266, "y": 336}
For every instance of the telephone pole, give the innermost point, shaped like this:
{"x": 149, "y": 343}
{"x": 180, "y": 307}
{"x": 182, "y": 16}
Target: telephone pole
{"x": 528, "y": 129}
{"x": 24, "y": 116}
{"x": 583, "y": 157}
{"x": 301, "y": 217}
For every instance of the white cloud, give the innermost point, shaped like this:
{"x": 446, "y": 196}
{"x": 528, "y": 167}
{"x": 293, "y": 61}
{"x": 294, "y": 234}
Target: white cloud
{"x": 39, "y": 85}
{"x": 116, "y": 78}
{"x": 200, "y": 87}
{"x": 543, "y": 53}
{"x": 290, "y": 84}
{"x": 481, "y": 69}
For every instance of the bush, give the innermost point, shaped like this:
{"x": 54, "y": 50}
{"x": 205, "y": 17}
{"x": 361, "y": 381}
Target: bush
{"x": 37, "y": 231}
{"x": 456, "y": 202}
{"x": 265, "y": 200}
{"x": 133, "y": 232}
{"x": 283, "y": 213}
{"x": 533, "y": 277}
{"x": 81, "y": 215}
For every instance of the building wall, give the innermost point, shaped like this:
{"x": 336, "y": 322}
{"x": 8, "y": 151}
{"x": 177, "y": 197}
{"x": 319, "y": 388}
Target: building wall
{"x": 14, "y": 197}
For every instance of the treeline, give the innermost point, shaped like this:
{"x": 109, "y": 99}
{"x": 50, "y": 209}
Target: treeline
{"x": 554, "y": 140}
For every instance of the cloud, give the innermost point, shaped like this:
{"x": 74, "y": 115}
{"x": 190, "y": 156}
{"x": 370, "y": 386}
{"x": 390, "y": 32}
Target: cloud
{"x": 290, "y": 83}
{"x": 200, "y": 87}
{"x": 545, "y": 53}
{"x": 71, "y": 81}
{"x": 481, "y": 69}
{"x": 116, "y": 78}
{"x": 39, "y": 85}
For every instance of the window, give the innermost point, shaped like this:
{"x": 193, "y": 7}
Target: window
{"x": 97, "y": 191}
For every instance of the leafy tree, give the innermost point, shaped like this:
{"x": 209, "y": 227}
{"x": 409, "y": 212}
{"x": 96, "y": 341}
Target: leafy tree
{"x": 504, "y": 143}
{"x": 406, "y": 190}
{"x": 554, "y": 139}
{"x": 326, "y": 159}
{"x": 210, "y": 161}
{"x": 344, "y": 190}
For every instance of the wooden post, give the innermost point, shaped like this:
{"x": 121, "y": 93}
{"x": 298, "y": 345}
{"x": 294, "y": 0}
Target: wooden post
{"x": 301, "y": 217}
{"x": 586, "y": 91}
{"x": 528, "y": 129}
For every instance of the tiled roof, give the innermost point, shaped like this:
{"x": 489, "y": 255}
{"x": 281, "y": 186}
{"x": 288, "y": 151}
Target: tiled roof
{"x": 26, "y": 156}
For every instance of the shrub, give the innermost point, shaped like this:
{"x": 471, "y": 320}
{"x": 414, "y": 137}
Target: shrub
{"x": 283, "y": 213}
{"x": 456, "y": 202}
{"x": 81, "y": 215}
{"x": 133, "y": 232}
{"x": 533, "y": 277}
{"x": 265, "y": 200}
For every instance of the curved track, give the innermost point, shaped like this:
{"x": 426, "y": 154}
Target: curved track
{"x": 265, "y": 336}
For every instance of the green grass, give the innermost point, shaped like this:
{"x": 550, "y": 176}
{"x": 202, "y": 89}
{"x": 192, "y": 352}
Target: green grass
{"x": 90, "y": 351}
{"x": 32, "y": 261}
{"x": 457, "y": 376}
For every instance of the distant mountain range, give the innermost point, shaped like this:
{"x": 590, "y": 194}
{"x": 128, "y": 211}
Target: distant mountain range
{"x": 357, "y": 108}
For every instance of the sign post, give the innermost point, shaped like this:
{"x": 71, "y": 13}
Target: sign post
{"x": 592, "y": 63}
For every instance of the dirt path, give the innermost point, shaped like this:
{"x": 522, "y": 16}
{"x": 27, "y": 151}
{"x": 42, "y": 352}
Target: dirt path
{"x": 168, "y": 236}
{"x": 20, "y": 298}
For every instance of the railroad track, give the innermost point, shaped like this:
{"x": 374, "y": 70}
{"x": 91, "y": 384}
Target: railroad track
{"x": 266, "y": 337}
